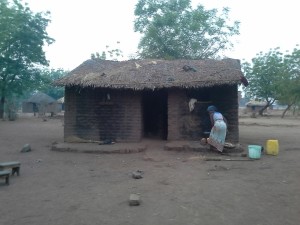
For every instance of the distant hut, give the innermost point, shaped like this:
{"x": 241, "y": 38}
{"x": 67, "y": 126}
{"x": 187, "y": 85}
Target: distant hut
{"x": 40, "y": 103}
{"x": 254, "y": 107}
{"x": 127, "y": 101}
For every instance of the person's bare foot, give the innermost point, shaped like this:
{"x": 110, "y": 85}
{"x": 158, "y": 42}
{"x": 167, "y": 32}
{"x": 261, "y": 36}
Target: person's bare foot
{"x": 203, "y": 141}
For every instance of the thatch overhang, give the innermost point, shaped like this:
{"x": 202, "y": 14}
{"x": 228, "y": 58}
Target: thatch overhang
{"x": 153, "y": 74}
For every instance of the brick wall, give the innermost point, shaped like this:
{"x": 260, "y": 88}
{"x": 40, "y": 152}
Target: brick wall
{"x": 186, "y": 125}
{"x": 177, "y": 114}
{"x": 70, "y": 113}
{"x": 89, "y": 114}
{"x": 103, "y": 114}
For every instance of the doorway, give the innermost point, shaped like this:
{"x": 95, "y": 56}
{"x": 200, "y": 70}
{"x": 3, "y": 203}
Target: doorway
{"x": 155, "y": 114}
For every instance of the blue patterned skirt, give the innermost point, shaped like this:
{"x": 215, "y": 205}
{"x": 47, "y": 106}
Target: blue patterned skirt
{"x": 217, "y": 135}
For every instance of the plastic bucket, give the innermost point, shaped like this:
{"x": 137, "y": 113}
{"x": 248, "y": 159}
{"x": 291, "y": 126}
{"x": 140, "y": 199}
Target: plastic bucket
{"x": 254, "y": 151}
{"x": 272, "y": 147}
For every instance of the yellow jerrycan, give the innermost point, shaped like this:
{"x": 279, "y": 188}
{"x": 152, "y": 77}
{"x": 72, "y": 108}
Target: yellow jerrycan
{"x": 272, "y": 147}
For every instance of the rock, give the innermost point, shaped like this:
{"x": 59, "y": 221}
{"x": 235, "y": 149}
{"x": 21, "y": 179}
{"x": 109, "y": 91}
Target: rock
{"x": 137, "y": 174}
{"x": 26, "y": 148}
{"x": 134, "y": 200}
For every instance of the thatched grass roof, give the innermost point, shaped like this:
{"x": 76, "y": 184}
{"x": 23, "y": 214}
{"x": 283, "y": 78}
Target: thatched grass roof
{"x": 256, "y": 103}
{"x": 153, "y": 74}
{"x": 39, "y": 98}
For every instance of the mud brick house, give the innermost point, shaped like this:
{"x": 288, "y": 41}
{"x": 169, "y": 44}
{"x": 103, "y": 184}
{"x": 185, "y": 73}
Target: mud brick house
{"x": 127, "y": 101}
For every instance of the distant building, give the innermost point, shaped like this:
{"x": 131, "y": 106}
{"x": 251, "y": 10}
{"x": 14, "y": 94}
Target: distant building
{"x": 254, "y": 107}
{"x": 40, "y": 103}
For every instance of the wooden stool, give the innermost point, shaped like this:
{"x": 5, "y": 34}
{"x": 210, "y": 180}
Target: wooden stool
{"x": 15, "y": 166}
{"x": 5, "y": 174}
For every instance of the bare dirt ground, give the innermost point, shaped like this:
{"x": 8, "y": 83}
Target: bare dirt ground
{"x": 178, "y": 188}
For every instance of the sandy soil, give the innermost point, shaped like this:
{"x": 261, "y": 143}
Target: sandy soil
{"x": 178, "y": 188}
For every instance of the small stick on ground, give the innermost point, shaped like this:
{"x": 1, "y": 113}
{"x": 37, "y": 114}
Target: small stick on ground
{"x": 221, "y": 159}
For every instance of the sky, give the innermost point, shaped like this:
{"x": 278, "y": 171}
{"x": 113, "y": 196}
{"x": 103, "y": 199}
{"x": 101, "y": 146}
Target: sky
{"x": 84, "y": 27}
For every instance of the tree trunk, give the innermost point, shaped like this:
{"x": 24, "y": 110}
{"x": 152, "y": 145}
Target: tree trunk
{"x": 2, "y": 100}
{"x": 269, "y": 103}
{"x": 261, "y": 111}
{"x": 284, "y": 112}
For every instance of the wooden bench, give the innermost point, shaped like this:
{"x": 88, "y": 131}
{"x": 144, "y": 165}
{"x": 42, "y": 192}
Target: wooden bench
{"x": 5, "y": 174}
{"x": 15, "y": 167}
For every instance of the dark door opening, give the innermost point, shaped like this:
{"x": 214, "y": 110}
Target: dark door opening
{"x": 155, "y": 114}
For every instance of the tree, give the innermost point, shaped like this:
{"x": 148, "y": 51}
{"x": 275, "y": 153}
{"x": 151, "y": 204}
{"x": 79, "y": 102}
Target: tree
{"x": 173, "y": 30}
{"x": 274, "y": 76}
{"x": 114, "y": 54}
{"x": 289, "y": 91}
{"x": 264, "y": 75}
{"x": 47, "y": 87}
{"x": 23, "y": 34}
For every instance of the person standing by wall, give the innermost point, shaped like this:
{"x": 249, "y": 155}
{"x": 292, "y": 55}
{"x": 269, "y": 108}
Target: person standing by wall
{"x": 219, "y": 129}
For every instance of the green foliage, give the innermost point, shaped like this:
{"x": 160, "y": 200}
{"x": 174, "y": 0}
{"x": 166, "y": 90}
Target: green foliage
{"x": 264, "y": 75}
{"x": 23, "y": 34}
{"x": 289, "y": 88}
{"x": 98, "y": 56}
{"x": 274, "y": 76}
{"x": 112, "y": 54}
{"x": 173, "y": 30}
{"x": 47, "y": 87}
